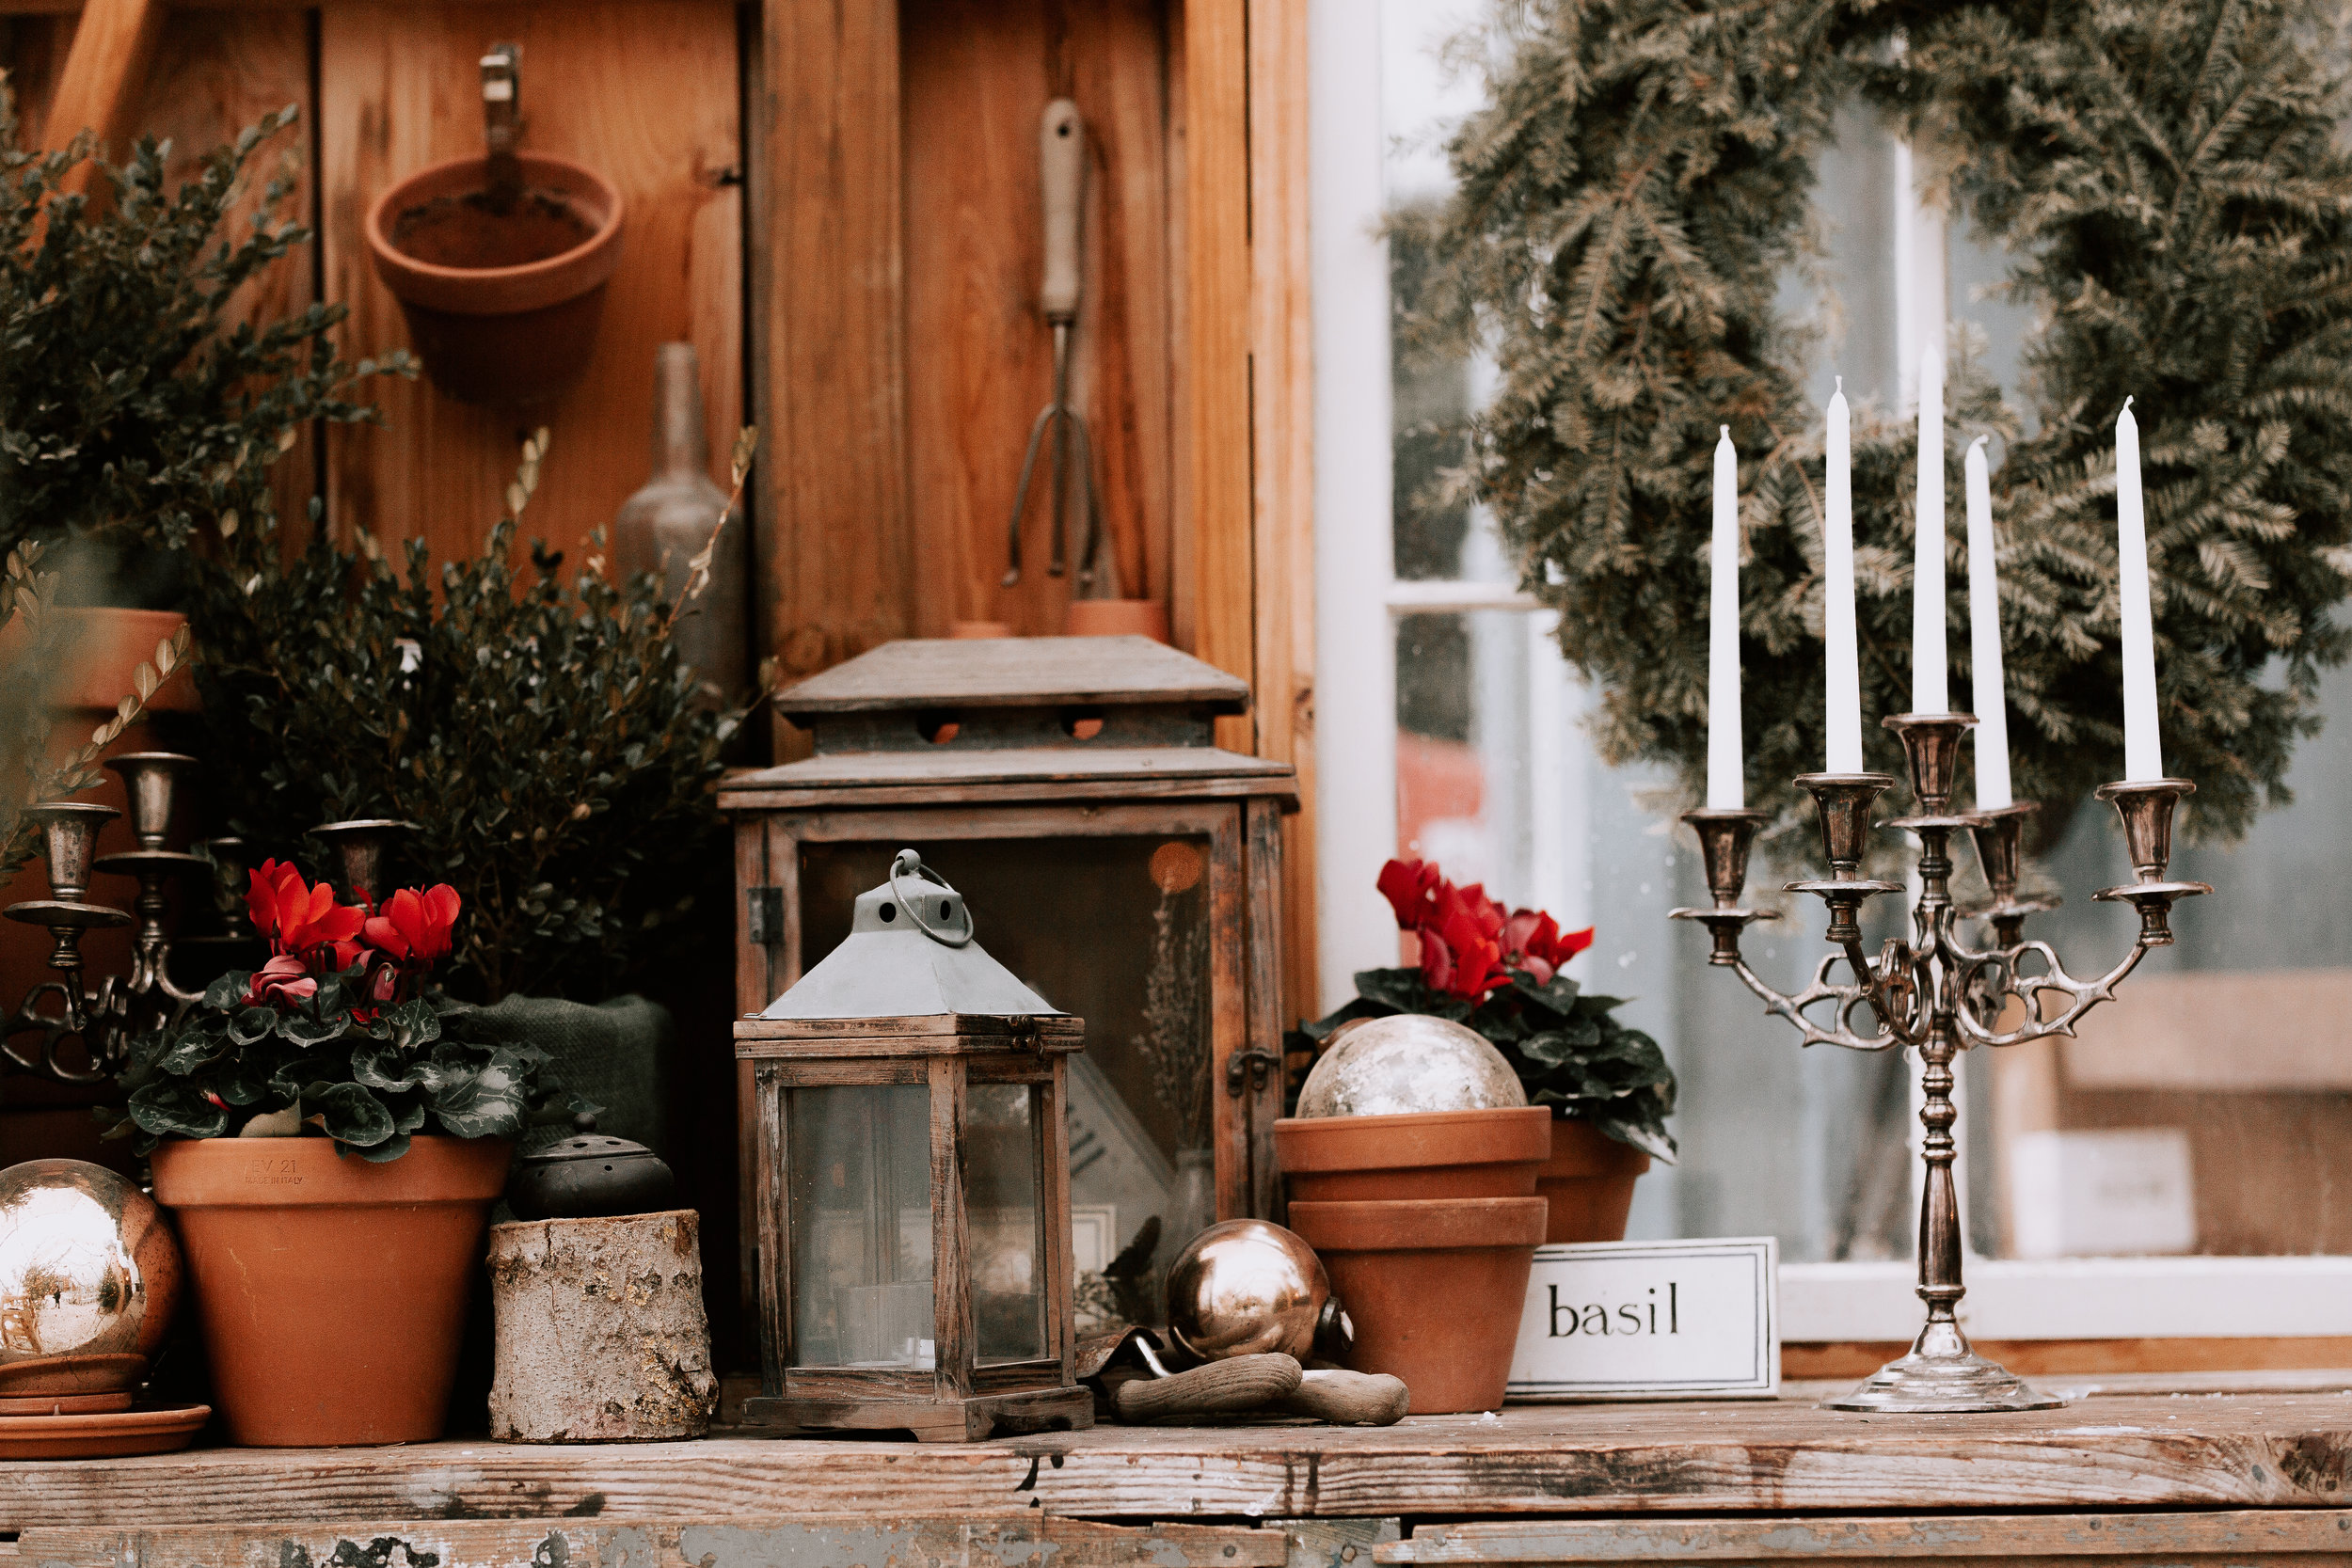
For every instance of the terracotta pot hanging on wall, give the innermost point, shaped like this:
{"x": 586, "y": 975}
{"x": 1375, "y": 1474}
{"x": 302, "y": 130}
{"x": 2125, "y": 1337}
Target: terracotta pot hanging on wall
{"x": 501, "y": 306}
{"x": 330, "y": 1292}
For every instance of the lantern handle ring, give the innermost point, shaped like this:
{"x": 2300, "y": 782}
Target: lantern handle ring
{"x": 908, "y": 862}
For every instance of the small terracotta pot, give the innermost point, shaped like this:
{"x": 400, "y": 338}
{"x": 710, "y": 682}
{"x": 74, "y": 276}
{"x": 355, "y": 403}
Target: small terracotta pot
{"x": 1434, "y": 1288}
{"x": 330, "y": 1292}
{"x": 1492, "y": 1153}
{"x": 1119, "y": 618}
{"x": 506, "y": 322}
{"x": 1588, "y": 1180}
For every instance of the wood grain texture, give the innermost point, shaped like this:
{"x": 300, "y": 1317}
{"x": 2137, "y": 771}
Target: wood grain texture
{"x": 828, "y": 274}
{"x": 1218, "y": 344}
{"x": 2233, "y": 1535}
{"x": 1858, "y": 1359}
{"x": 645, "y": 91}
{"x": 104, "y": 76}
{"x": 920, "y": 672}
{"x": 1005, "y": 1540}
{"x": 978, "y": 75}
{"x": 2127, "y": 1452}
{"x": 1282, "y": 440}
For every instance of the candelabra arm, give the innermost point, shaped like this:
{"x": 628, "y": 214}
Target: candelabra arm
{"x": 1989, "y": 977}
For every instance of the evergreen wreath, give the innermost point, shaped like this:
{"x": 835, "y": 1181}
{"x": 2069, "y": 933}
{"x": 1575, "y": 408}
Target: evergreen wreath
{"x": 2164, "y": 173}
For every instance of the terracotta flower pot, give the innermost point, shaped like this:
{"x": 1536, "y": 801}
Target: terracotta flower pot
{"x": 1434, "y": 1288}
{"x": 502, "y": 308}
{"x": 1119, "y": 618}
{"x": 1490, "y": 1154}
{"x": 330, "y": 1293}
{"x": 1589, "y": 1183}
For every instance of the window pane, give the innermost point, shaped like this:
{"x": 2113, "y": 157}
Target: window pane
{"x": 1001, "y": 1181}
{"x": 858, "y": 1158}
{"x": 2208, "y": 1110}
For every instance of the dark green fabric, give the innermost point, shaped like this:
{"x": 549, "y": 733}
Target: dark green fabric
{"x": 611, "y": 1052}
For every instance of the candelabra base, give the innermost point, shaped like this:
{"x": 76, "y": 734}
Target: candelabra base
{"x": 1942, "y": 1376}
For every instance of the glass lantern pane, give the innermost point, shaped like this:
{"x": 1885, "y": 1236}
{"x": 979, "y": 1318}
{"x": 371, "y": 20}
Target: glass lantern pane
{"x": 858, "y": 1158}
{"x": 1002, "y": 1182}
{"x": 1115, "y": 930}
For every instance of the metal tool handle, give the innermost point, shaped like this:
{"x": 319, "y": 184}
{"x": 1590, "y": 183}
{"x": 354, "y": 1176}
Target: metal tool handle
{"x": 502, "y": 122}
{"x": 1062, "y": 162}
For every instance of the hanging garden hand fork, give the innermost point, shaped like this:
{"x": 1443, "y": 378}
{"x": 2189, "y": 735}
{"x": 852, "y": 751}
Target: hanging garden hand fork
{"x": 1062, "y": 160}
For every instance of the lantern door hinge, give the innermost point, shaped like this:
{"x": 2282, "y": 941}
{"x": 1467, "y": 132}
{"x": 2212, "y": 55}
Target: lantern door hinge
{"x": 762, "y": 915}
{"x": 1248, "y": 1067}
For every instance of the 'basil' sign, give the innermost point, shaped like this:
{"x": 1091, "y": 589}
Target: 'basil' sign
{"x": 1651, "y": 1319}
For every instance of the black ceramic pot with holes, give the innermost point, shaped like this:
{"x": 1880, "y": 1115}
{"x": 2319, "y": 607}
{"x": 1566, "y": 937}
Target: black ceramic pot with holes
{"x": 590, "y": 1174}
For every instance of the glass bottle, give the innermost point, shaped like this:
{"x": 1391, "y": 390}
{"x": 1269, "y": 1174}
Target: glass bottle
{"x": 668, "y": 521}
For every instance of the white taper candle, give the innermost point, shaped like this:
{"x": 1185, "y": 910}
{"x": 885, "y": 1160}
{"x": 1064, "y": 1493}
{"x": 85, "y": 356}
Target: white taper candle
{"x": 1724, "y": 788}
{"x": 1844, "y": 666}
{"x": 1984, "y": 637}
{"x": 2143, "y": 748}
{"x": 1928, "y": 691}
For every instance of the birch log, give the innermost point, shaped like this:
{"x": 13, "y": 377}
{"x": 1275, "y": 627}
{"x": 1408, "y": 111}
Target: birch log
{"x": 600, "y": 1333}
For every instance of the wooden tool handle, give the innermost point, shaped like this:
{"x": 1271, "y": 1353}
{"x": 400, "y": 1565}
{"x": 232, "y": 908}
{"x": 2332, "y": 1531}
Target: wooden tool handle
{"x": 1243, "y": 1383}
{"x": 1062, "y": 160}
{"x": 1349, "y": 1398}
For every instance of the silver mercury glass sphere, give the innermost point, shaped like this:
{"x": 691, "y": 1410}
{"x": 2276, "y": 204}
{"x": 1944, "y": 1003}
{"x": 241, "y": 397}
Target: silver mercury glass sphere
{"x": 1243, "y": 1287}
{"x": 88, "y": 1265}
{"x": 1410, "y": 1062}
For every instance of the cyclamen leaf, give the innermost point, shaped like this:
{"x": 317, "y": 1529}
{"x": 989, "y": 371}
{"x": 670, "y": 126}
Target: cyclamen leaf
{"x": 382, "y": 1065}
{"x": 389, "y": 1150}
{"x": 487, "y": 1102}
{"x": 412, "y": 1025}
{"x": 350, "y": 1112}
{"x": 300, "y": 1029}
{"x": 229, "y": 989}
{"x": 169, "y": 1106}
{"x": 250, "y": 1025}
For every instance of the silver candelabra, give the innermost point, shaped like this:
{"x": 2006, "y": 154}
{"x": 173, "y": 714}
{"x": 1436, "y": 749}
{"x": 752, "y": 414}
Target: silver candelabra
{"x": 1936, "y": 994}
{"x": 71, "y": 1031}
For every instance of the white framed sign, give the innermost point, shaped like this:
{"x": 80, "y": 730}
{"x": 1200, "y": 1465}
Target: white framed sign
{"x": 1651, "y": 1319}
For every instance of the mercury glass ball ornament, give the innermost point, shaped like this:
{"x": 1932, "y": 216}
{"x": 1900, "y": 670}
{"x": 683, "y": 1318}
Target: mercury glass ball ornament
{"x": 1243, "y": 1287}
{"x": 1410, "y": 1063}
{"x": 88, "y": 1265}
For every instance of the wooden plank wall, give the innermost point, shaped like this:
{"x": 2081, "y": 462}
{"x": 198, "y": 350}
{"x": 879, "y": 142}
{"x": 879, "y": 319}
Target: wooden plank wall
{"x": 643, "y": 89}
{"x": 975, "y": 77}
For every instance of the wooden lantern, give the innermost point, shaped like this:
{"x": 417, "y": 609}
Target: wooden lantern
{"x": 1129, "y": 869}
{"x": 911, "y": 1190}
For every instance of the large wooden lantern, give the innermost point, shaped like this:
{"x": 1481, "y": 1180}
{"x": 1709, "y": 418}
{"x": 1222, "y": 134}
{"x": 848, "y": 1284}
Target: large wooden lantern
{"x": 912, "y": 1189}
{"x": 1127, "y": 868}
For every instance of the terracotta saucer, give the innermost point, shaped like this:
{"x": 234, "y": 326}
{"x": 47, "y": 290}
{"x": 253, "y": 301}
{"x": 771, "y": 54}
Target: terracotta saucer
{"x": 102, "y": 1435}
{"x": 64, "y": 1404}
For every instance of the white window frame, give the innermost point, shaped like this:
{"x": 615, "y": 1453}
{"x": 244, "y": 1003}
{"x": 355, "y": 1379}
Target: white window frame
{"x": 1358, "y": 598}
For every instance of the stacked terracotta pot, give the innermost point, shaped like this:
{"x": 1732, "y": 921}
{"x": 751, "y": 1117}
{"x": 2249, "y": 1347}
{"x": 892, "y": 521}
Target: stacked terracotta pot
{"x": 1427, "y": 1221}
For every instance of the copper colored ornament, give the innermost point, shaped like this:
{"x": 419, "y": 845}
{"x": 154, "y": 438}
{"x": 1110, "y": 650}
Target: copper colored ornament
{"x": 1248, "y": 1286}
{"x": 89, "y": 1274}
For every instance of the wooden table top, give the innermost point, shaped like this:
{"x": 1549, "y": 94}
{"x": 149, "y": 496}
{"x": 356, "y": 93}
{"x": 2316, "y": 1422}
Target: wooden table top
{"x": 2134, "y": 1450}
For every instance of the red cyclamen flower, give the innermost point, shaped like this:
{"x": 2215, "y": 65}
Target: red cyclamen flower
{"x": 299, "y": 920}
{"x": 413, "y": 930}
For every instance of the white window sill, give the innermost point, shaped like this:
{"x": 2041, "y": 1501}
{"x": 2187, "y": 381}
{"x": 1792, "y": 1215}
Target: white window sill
{"x": 2083, "y": 1298}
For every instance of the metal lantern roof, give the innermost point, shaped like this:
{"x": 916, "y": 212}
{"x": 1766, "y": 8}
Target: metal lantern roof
{"x": 910, "y": 954}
